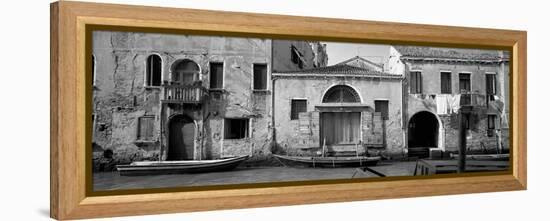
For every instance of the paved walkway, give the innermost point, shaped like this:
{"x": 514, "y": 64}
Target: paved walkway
{"x": 112, "y": 181}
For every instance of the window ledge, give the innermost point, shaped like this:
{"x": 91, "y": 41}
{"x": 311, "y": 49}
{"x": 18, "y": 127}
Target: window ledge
{"x": 236, "y": 139}
{"x": 261, "y": 91}
{"x": 217, "y": 89}
{"x": 153, "y": 87}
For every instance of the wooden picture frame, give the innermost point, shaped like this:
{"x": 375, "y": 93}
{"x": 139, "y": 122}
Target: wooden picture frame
{"x": 70, "y": 132}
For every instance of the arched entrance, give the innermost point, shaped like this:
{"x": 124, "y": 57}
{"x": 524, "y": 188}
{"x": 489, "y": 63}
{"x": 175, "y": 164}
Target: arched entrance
{"x": 340, "y": 127}
{"x": 423, "y": 133}
{"x": 181, "y": 138}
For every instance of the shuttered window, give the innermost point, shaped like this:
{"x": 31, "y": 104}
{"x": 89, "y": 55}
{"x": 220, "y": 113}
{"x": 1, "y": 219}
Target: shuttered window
{"x": 381, "y": 106}
{"x": 446, "y": 83}
{"x": 416, "y": 82}
{"x": 216, "y": 75}
{"x": 490, "y": 80}
{"x": 146, "y": 128}
{"x": 260, "y": 77}
{"x": 464, "y": 82}
{"x": 296, "y": 107}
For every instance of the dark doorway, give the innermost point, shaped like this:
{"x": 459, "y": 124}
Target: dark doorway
{"x": 423, "y": 134}
{"x": 181, "y": 138}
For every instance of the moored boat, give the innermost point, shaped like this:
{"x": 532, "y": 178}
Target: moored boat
{"x": 175, "y": 167}
{"x": 354, "y": 161}
{"x": 488, "y": 157}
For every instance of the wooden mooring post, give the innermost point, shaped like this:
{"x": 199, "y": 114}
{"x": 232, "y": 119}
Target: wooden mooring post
{"x": 463, "y": 124}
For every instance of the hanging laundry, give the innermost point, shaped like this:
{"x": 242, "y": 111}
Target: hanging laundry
{"x": 441, "y": 103}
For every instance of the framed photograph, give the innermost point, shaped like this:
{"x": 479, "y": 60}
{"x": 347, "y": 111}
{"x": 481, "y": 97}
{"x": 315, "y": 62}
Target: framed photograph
{"x": 161, "y": 110}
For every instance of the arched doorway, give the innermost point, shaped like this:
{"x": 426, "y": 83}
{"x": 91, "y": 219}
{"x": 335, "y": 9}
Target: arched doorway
{"x": 185, "y": 72}
{"x": 340, "y": 126}
{"x": 423, "y": 133}
{"x": 181, "y": 138}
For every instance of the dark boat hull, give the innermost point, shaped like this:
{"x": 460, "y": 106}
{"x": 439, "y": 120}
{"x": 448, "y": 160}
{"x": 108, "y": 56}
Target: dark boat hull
{"x": 330, "y": 162}
{"x": 178, "y": 167}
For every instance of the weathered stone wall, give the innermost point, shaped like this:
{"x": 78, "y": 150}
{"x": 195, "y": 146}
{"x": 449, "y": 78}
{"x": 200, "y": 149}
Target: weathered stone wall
{"x": 313, "y": 89}
{"x": 121, "y": 97}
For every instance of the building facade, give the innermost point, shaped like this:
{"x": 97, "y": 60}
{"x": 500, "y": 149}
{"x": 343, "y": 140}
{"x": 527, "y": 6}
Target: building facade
{"x": 179, "y": 97}
{"x": 344, "y": 109}
{"x": 439, "y": 81}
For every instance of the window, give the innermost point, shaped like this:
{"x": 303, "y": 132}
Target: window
{"x": 154, "y": 68}
{"x": 341, "y": 94}
{"x": 216, "y": 75}
{"x": 146, "y": 128}
{"x": 446, "y": 83}
{"x": 185, "y": 72}
{"x": 382, "y": 107}
{"x": 296, "y": 107}
{"x": 491, "y": 84}
{"x": 260, "y": 77}
{"x": 236, "y": 128}
{"x": 416, "y": 82}
{"x": 464, "y": 82}
{"x": 296, "y": 57}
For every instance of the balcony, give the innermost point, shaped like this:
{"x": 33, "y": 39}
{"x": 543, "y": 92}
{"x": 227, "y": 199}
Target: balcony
{"x": 184, "y": 94}
{"x": 473, "y": 99}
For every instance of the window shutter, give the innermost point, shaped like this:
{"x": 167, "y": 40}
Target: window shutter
{"x": 146, "y": 128}
{"x": 446, "y": 85}
{"x": 419, "y": 82}
{"x": 260, "y": 76}
{"x": 216, "y": 75}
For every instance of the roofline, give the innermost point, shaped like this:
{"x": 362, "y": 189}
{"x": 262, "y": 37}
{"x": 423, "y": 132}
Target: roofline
{"x": 414, "y": 58}
{"x": 364, "y": 59}
{"x": 303, "y": 75}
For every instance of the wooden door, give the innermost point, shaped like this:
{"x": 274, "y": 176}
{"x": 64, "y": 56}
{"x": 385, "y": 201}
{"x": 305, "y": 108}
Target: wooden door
{"x": 340, "y": 127}
{"x": 181, "y": 139}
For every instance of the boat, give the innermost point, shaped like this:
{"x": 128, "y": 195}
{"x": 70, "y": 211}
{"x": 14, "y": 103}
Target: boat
{"x": 431, "y": 167}
{"x": 488, "y": 157}
{"x": 178, "y": 167}
{"x": 354, "y": 161}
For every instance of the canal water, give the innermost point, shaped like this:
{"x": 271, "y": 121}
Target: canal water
{"x": 241, "y": 175}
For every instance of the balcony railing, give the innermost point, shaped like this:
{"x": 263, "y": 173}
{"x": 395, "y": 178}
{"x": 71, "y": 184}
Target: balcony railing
{"x": 473, "y": 99}
{"x": 184, "y": 94}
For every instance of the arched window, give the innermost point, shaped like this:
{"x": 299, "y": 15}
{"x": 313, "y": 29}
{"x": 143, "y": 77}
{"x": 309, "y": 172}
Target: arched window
{"x": 154, "y": 70}
{"x": 341, "y": 94}
{"x": 185, "y": 72}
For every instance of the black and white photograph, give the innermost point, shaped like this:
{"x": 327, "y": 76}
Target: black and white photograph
{"x": 176, "y": 110}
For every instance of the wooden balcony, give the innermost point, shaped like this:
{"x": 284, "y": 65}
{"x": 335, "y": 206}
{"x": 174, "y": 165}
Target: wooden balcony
{"x": 184, "y": 94}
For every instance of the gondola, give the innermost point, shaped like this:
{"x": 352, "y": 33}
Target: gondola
{"x": 354, "y": 161}
{"x": 177, "y": 167}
